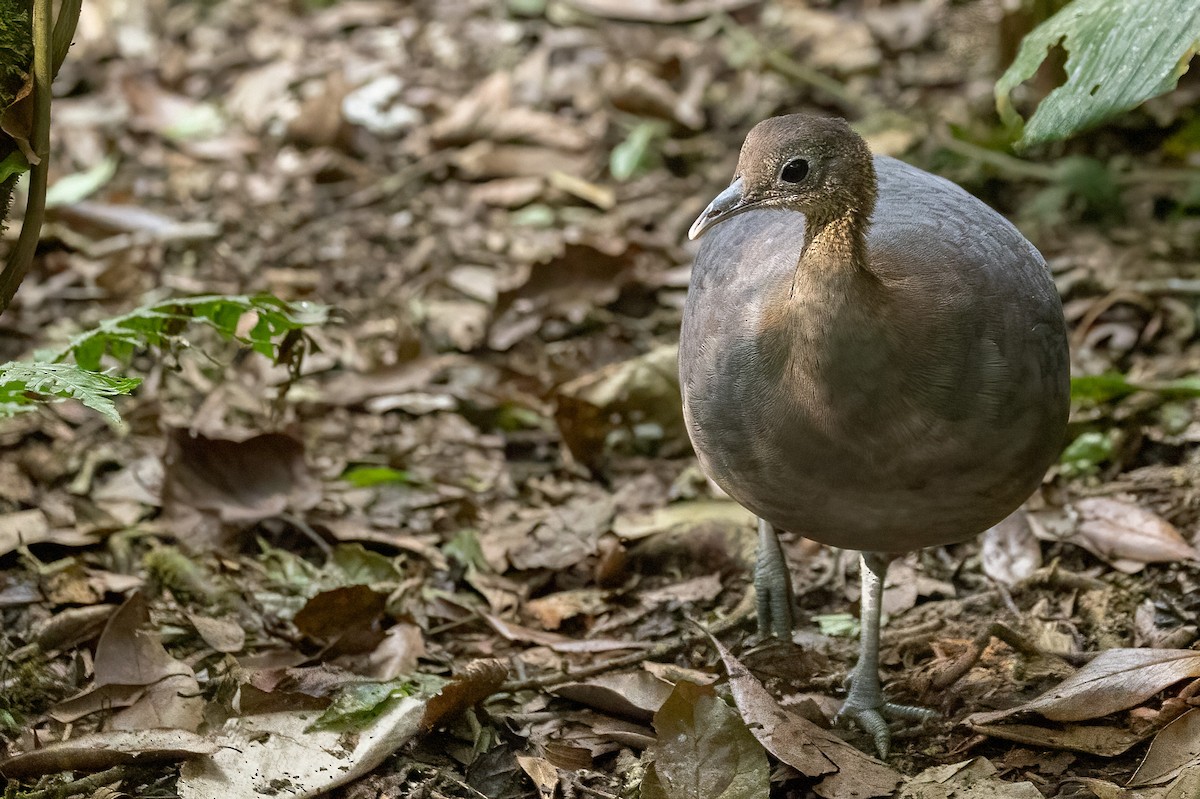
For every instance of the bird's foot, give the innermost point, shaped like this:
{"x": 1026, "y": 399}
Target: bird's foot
{"x": 866, "y": 707}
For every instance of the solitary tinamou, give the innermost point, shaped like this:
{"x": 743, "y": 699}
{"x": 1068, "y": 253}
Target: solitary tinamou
{"x": 871, "y": 358}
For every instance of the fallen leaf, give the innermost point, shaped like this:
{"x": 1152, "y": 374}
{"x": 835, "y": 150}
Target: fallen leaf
{"x": 478, "y": 680}
{"x": 542, "y": 772}
{"x": 98, "y": 751}
{"x": 345, "y": 621}
{"x": 633, "y": 694}
{"x": 703, "y": 750}
{"x": 277, "y": 754}
{"x": 1094, "y": 739}
{"x": 1175, "y": 748}
{"x": 845, "y": 772}
{"x": 1128, "y": 536}
{"x": 239, "y": 481}
{"x": 1114, "y": 680}
{"x": 976, "y": 778}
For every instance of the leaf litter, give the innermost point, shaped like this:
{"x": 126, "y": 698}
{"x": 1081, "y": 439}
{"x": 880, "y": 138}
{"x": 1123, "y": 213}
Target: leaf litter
{"x": 482, "y": 473}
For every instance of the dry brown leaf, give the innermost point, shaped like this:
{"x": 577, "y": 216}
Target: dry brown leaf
{"x": 1094, "y": 739}
{"x": 559, "y": 643}
{"x": 239, "y": 481}
{"x": 345, "y": 621}
{"x": 1114, "y": 680}
{"x": 635, "y": 694}
{"x": 1128, "y": 536}
{"x": 543, "y": 773}
{"x": 844, "y": 772}
{"x": 553, "y": 609}
{"x": 478, "y": 680}
{"x": 102, "y": 750}
{"x": 1175, "y": 748}
{"x": 223, "y": 635}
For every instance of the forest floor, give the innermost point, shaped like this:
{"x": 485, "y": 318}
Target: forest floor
{"x": 482, "y": 485}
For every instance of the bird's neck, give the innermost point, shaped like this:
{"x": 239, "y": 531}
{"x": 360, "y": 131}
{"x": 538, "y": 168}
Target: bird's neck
{"x": 835, "y": 242}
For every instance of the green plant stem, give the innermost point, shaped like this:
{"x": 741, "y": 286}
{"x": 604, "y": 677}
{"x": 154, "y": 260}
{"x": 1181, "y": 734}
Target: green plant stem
{"x": 31, "y": 227}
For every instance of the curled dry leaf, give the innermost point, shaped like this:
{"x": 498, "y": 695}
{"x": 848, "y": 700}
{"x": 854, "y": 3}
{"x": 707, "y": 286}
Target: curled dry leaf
{"x": 1115, "y": 680}
{"x": 476, "y": 682}
{"x": 1093, "y": 739}
{"x": 1128, "y": 536}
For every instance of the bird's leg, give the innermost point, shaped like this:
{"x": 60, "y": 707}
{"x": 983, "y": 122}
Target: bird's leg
{"x": 864, "y": 704}
{"x": 773, "y": 585}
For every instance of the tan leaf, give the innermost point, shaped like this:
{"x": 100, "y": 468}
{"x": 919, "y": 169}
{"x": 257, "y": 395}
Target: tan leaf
{"x": 1127, "y": 536}
{"x": 1175, "y": 748}
{"x": 1115, "y": 680}
{"x": 811, "y": 750}
{"x": 635, "y": 694}
{"x": 101, "y": 750}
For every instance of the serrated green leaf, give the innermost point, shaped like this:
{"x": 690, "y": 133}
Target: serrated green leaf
{"x": 1120, "y": 54}
{"x": 13, "y": 164}
{"x": 25, "y": 384}
{"x": 160, "y": 324}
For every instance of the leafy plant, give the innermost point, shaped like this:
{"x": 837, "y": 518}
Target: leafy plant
{"x": 266, "y": 324}
{"x": 1120, "y": 54}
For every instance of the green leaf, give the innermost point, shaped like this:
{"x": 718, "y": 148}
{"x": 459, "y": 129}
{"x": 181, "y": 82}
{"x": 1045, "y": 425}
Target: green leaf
{"x": 1098, "y": 389}
{"x": 1120, "y": 54}
{"x": 78, "y": 186}
{"x": 359, "y": 704}
{"x": 639, "y": 151}
{"x": 371, "y": 476}
{"x": 13, "y": 164}
{"x": 837, "y": 625}
{"x": 704, "y": 750}
{"x": 25, "y": 384}
{"x": 274, "y": 333}
{"x": 1087, "y": 453}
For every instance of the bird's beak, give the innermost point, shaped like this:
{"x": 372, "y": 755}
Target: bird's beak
{"x": 726, "y": 204}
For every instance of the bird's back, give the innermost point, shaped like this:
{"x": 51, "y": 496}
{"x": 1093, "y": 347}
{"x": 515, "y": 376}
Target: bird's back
{"x": 913, "y": 405}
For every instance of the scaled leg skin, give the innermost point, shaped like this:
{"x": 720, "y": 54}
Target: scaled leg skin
{"x": 864, "y": 704}
{"x": 773, "y": 586}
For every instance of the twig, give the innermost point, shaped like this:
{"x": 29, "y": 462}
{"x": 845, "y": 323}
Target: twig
{"x": 85, "y": 785}
{"x": 741, "y": 615}
{"x": 31, "y": 226}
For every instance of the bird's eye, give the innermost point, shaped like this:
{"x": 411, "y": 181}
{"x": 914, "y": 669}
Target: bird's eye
{"x": 794, "y": 171}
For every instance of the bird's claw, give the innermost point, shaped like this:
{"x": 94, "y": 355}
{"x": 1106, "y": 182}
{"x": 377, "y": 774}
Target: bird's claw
{"x": 866, "y": 708}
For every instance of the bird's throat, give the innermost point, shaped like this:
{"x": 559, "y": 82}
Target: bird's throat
{"x": 838, "y": 242}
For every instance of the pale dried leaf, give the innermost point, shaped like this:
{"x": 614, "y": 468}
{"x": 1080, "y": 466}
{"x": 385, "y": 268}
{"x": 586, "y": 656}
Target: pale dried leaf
{"x": 976, "y": 778}
{"x": 1115, "y": 680}
{"x": 1175, "y": 748}
{"x": 1010, "y": 551}
{"x": 1126, "y": 535}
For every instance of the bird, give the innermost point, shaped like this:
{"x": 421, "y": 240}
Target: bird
{"x": 870, "y": 357}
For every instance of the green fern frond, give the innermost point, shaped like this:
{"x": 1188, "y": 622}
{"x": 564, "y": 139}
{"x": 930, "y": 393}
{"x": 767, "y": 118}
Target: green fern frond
{"x": 24, "y": 385}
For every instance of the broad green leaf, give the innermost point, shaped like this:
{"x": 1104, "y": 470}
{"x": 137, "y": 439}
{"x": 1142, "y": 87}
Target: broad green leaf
{"x": 21, "y": 383}
{"x": 704, "y": 750}
{"x": 1120, "y": 54}
{"x": 1099, "y": 389}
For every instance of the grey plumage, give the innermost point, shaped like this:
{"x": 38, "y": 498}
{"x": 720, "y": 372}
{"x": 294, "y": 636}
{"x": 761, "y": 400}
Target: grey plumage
{"x": 915, "y": 402}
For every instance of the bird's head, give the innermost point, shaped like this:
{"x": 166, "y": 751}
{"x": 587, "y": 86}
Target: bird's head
{"x": 815, "y": 165}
